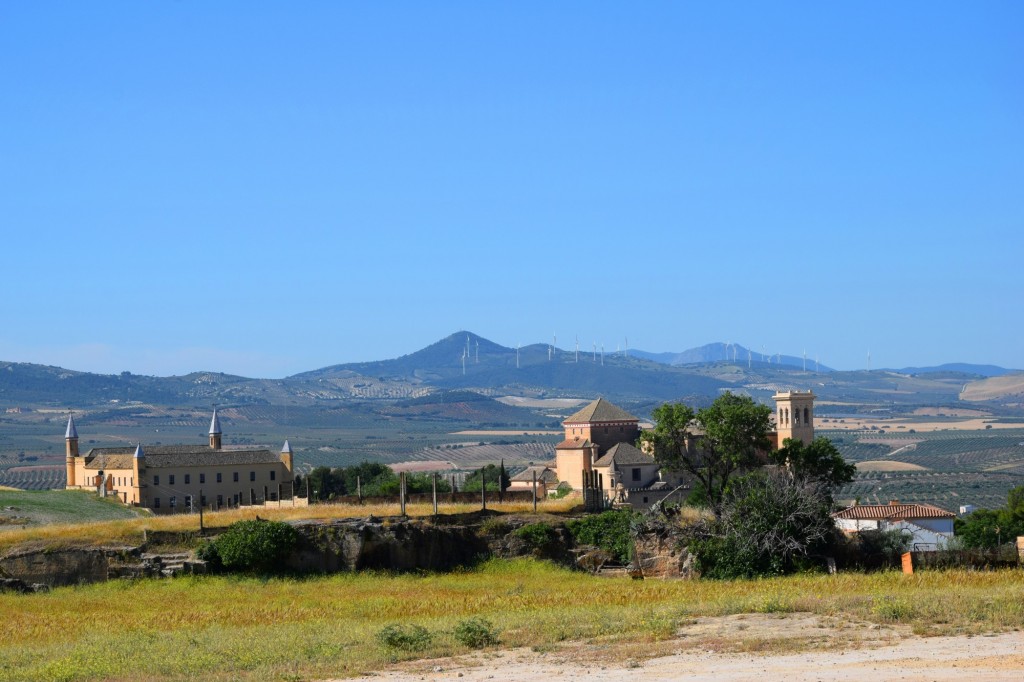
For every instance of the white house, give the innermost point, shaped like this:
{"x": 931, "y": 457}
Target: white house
{"x": 930, "y": 526}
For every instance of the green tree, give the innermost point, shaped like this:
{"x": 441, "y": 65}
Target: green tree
{"x": 712, "y": 445}
{"x": 491, "y": 474}
{"x": 818, "y": 461}
{"x": 769, "y": 521}
{"x": 992, "y": 527}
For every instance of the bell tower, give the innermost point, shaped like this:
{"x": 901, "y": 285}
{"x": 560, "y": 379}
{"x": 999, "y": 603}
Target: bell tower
{"x": 215, "y": 434}
{"x": 794, "y": 416}
{"x": 71, "y": 450}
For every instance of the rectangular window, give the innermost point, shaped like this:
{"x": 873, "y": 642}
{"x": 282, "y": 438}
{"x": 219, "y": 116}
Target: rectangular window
{"x": 273, "y": 475}
{"x": 220, "y": 501}
{"x": 252, "y": 475}
{"x": 202, "y": 501}
{"x": 636, "y": 474}
{"x": 202, "y": 478}
{"x": 236, "y": 477}
{"x": 156, "y": 480}
{"x": 170, "y": 480}
{"x": 218, "y": 478}
{"x": 188, "y": 479}
{"x": 188, "y": 502}
{"x": 156, "y": 503}
{"x": 174, "y": 501}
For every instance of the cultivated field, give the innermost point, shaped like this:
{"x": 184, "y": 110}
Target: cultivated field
{"x": 231, "y": 628}
{"x": 26, "y": 509}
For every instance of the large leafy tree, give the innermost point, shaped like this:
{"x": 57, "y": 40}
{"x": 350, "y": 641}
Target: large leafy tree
{"x": 712, "y": 445}
{"x": 992, "y": 527}
{"x": 820, "y": 460}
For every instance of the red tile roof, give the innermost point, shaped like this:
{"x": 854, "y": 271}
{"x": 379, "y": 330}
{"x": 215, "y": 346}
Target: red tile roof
{"x": 573, "y": 444}
{"x": 893, "y": 512}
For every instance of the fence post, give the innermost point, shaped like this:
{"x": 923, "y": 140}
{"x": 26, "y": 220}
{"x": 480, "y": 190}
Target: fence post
{"x": 534, "y": 491}
{"x": 433, "y": 486}
{"x": 483, "y": 489}
{"x": 401, "y": 491}
{"x": 359, "y": 489}
{"x": 200, "y": 510}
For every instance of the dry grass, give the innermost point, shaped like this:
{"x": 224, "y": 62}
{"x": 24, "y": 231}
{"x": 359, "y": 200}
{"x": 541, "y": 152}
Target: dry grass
{"x": 130, "y": 531}
{"x": 326, "y": 626}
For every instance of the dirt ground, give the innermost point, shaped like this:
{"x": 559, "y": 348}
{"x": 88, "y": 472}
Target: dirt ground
{"x": 748, "y": 647}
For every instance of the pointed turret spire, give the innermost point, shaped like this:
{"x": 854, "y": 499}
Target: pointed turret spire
{"x": 215, "y": 435}
{"x": 71, "y": 432}
{"x": 139, "y": 454}
{"x": 286, "y": 447}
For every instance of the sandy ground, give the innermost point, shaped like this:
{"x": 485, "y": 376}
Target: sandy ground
{"x": 749, "y": 647}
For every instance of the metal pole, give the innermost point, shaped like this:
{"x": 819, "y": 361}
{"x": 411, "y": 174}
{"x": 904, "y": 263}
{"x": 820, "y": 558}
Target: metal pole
{"x": 483, "y": 489}
{"x": 535, "y": 491}
{"x": 433, "y": 485}
{"x": 200, "y": 510}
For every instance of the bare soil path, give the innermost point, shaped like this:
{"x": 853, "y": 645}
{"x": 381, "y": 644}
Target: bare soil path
{"x": 748, "y": 648}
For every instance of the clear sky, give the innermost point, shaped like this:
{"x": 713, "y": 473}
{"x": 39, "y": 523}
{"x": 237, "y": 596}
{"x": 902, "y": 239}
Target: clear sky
{"x": 264, "y": 188}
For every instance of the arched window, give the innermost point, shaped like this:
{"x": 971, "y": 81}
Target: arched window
{"x": 807, "y": 418}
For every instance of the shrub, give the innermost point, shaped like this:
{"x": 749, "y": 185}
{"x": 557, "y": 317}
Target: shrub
{"x": 495, "y": 527}
{"x": 208, "y": 552}
{"x": 608, "y": 530}
{"x": 258, "y": 546}
{"x": 404, "y": 637}
{"x": 538, "y": 536}
{"x": 561, "y": 491}
{"x": 476, "y": 633}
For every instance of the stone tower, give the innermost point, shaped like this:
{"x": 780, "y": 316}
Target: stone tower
{"x": 71, "y": 450}
{"x": 215, "y": 431}
{"x": 794, "y": 416}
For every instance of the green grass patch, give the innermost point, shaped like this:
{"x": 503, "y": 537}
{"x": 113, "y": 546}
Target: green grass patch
{"x": 43, "y": 507}
{"x": 248, "y": 628}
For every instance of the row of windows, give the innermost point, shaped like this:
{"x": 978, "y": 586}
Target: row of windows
{"x": 202, "y": 477}
{"x": 172, "y": 501}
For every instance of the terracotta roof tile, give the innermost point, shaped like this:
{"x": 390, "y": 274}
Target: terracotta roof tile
{"x": 624, "y": 454}
{"x": 601, "y": 411}
{"x": 893, "y": 512}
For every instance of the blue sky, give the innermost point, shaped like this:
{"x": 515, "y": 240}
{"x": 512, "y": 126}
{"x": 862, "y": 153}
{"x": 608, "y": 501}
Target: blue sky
{"x": 266, "y": 188}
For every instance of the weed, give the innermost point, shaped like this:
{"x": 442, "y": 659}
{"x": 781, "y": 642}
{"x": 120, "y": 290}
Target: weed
{"x": 476, "y": 633}
{"x": 405, "y": 637}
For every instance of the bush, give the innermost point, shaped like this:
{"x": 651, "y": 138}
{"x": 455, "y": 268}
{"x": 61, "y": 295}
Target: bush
{"x": 561, "y": 491}
{"x": 405, "y": 637}
{"x": 256, "y": 546}
{"x": 538, "y": 536}
{"x": 608, "y": 530}
{"x": 476, "y": 633}
{"x": 496, "y": 527}
{"x": 208, "y": 552}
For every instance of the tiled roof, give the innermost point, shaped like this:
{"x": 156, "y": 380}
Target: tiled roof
{"x": 165, "y": 456}
{"x": 624, "y": 454}
{"x": 893, "y": 512}
{"x": 544, "y": 475}
{"x": 573, "y": 444}
{"x": 601, "y": 411}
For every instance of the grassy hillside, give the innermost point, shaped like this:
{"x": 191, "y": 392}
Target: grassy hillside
{"x": 30, "y": 508}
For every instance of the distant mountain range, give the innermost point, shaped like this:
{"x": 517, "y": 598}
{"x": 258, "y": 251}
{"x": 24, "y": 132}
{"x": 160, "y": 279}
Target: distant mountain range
{"x": 465, "y": 361}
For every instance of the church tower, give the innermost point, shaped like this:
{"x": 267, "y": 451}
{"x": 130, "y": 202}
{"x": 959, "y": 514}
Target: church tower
{"x": 71, "y": 450}
{"x": 794, "y": 416}
{"x": 215, "y": 431}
